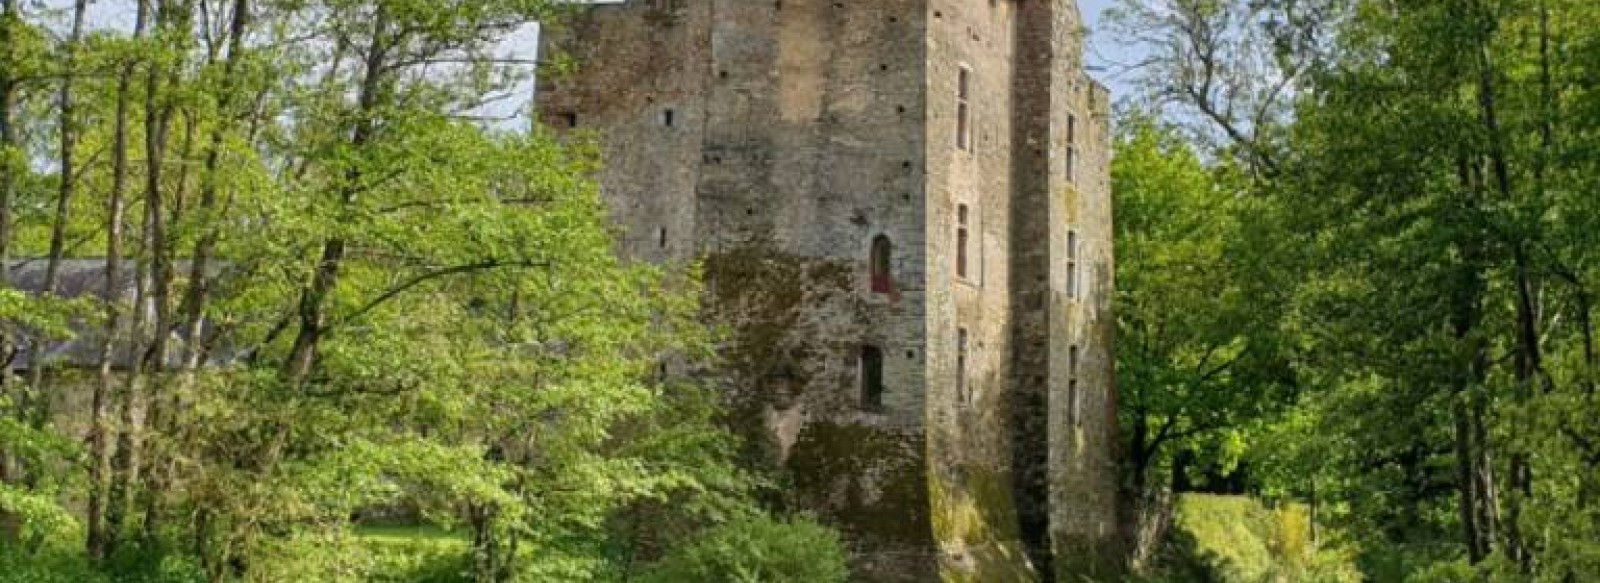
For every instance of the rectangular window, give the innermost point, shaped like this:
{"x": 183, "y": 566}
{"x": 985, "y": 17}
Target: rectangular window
{"x": 961, "y": 367}
{"x": 964, "y": 110}
{"x": 961, "y": 241}
{"x": 1072, "y": 264}
{"x": 1072, "y": 148}
{"x": 871, "y": 378}
{"x": 1074, "y": 399}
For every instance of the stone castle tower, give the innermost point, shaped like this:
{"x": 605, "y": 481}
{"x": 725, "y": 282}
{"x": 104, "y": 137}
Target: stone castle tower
{"x": 904, "y": 213}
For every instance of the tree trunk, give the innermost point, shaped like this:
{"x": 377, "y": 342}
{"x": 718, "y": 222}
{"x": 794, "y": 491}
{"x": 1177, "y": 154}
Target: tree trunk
{"x": 1152, "y": 503}
{"x": 325, "y": 278}
{"x": 1466, "y": 486}
{"x": 1472, "y": 481}
{"x": 1528, "y": 361}
{"x": 68, "y": 147}
{"x": 100, "y": 452}
{"x": 150, "y": 270}
{"x": 37, "y": 405}
{"x": 10, "y": 15}
{"x": 197, "y": 294}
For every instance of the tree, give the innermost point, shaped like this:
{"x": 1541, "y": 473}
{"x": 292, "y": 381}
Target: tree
{"x": 1441, "y": 307}
{"x": 328, "y": 288}
{"x": 1198, "y": 360}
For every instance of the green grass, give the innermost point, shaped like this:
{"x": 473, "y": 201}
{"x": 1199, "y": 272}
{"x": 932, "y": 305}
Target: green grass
{"x": 1236, "y": 535}
{"x": 406, "y": 535}
{"x": 1236, "y": 539}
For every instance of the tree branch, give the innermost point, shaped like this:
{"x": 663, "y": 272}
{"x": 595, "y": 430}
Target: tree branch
{"x": 422, "y": 278}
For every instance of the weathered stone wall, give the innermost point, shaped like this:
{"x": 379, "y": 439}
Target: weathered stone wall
{"x": 1034, "y": 384}
{"x": 801, "y": 142}
{"x": 799, "y": 131}
{"x": 1084, "y": 532}
{"x": 969, "y": 452}
{"x": 641, "y": 65}
{"x": 1063, "y": 412}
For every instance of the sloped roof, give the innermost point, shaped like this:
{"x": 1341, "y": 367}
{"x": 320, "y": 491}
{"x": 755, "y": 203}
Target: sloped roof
{"x": 79, "y": 278}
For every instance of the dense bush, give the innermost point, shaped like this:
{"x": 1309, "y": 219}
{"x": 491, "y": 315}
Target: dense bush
{"x": 59, "y": 565}
{"x": 757, "y": 550}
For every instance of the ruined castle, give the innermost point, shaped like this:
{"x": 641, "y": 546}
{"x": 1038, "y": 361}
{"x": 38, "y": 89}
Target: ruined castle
{"x": 904, "y": 215}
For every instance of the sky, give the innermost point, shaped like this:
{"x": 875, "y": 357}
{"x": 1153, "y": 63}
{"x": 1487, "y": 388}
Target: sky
{"x": 1105, "y": 58}
{"x": 1105, "y": 54}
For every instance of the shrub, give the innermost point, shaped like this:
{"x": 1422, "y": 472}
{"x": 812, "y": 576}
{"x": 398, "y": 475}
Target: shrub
{"x": 757, "y": 550}
{"x": 46, "y": 567}
{"x": 57, "y": 564}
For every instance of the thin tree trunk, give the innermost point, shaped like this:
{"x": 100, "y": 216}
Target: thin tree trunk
{"x": 1489, "y": 522}
{"x": 1315, "y": 500}
{"x": 156, "y": 358}
{"x": 197, "y": 294}
{"x": 1528, "y": 364}
{"x": 1467, "y": 490}
{"x": 99, "y": 539}
{"x": 1586, "y": 324}
{"x": 1528, "y": 361}
{"x": 10, "y": 15}
{"x": 1472, "y": 481}
{"x": 69, "y": 146}
{"x": 38, "y": 404}
{"x": 146, "y": 279}
{"x": 325, "y": 278}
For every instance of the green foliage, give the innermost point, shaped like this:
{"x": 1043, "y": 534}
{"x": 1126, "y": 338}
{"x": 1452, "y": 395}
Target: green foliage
{"x": 404, "y": 308}
{"x": 49, "y": 567}
{"x": 1196, "y": 311}
{"x": 1427, "y": 219}
{"x": 1202, "y": 359}
{"x": 395, "y": 555}
{"x": 58, "y": 562}
{"x": 756, "y": 550}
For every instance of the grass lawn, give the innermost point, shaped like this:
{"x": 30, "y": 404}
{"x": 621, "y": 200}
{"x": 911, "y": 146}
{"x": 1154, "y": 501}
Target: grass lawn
{"x": 1237, "y": 539}
{"x": 403, "y": 535}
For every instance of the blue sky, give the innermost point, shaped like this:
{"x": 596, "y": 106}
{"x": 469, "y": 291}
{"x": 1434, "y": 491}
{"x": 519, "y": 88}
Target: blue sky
{"x": 1106, "y": 55}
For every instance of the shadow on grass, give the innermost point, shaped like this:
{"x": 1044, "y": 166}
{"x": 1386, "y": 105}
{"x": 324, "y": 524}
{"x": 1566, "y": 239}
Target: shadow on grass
{"x": 1183, "y": 560}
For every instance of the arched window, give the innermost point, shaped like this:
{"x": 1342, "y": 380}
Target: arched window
{"x": 961, "y": 241}
{"x": 871, "y": 378}
{"x": 882, "y": 252}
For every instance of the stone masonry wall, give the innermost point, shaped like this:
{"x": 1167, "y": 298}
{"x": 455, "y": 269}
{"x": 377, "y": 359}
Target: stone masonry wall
{"x": 801, "y": 143}
{"x": 968, "y": 429}
{"x": 775, "y": 140}
{"x": 656, "y": 65}
{"x": 1085, "y": 534}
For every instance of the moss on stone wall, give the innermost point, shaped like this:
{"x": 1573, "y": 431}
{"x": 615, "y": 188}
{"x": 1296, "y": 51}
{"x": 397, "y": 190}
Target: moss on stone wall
{"x": 1084, "y": 558}
{"x": 974, "y": 518}
{"x": 868, "y": 481}
{"x": 872, "y": 477}
{"x": 761, "y": 297}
